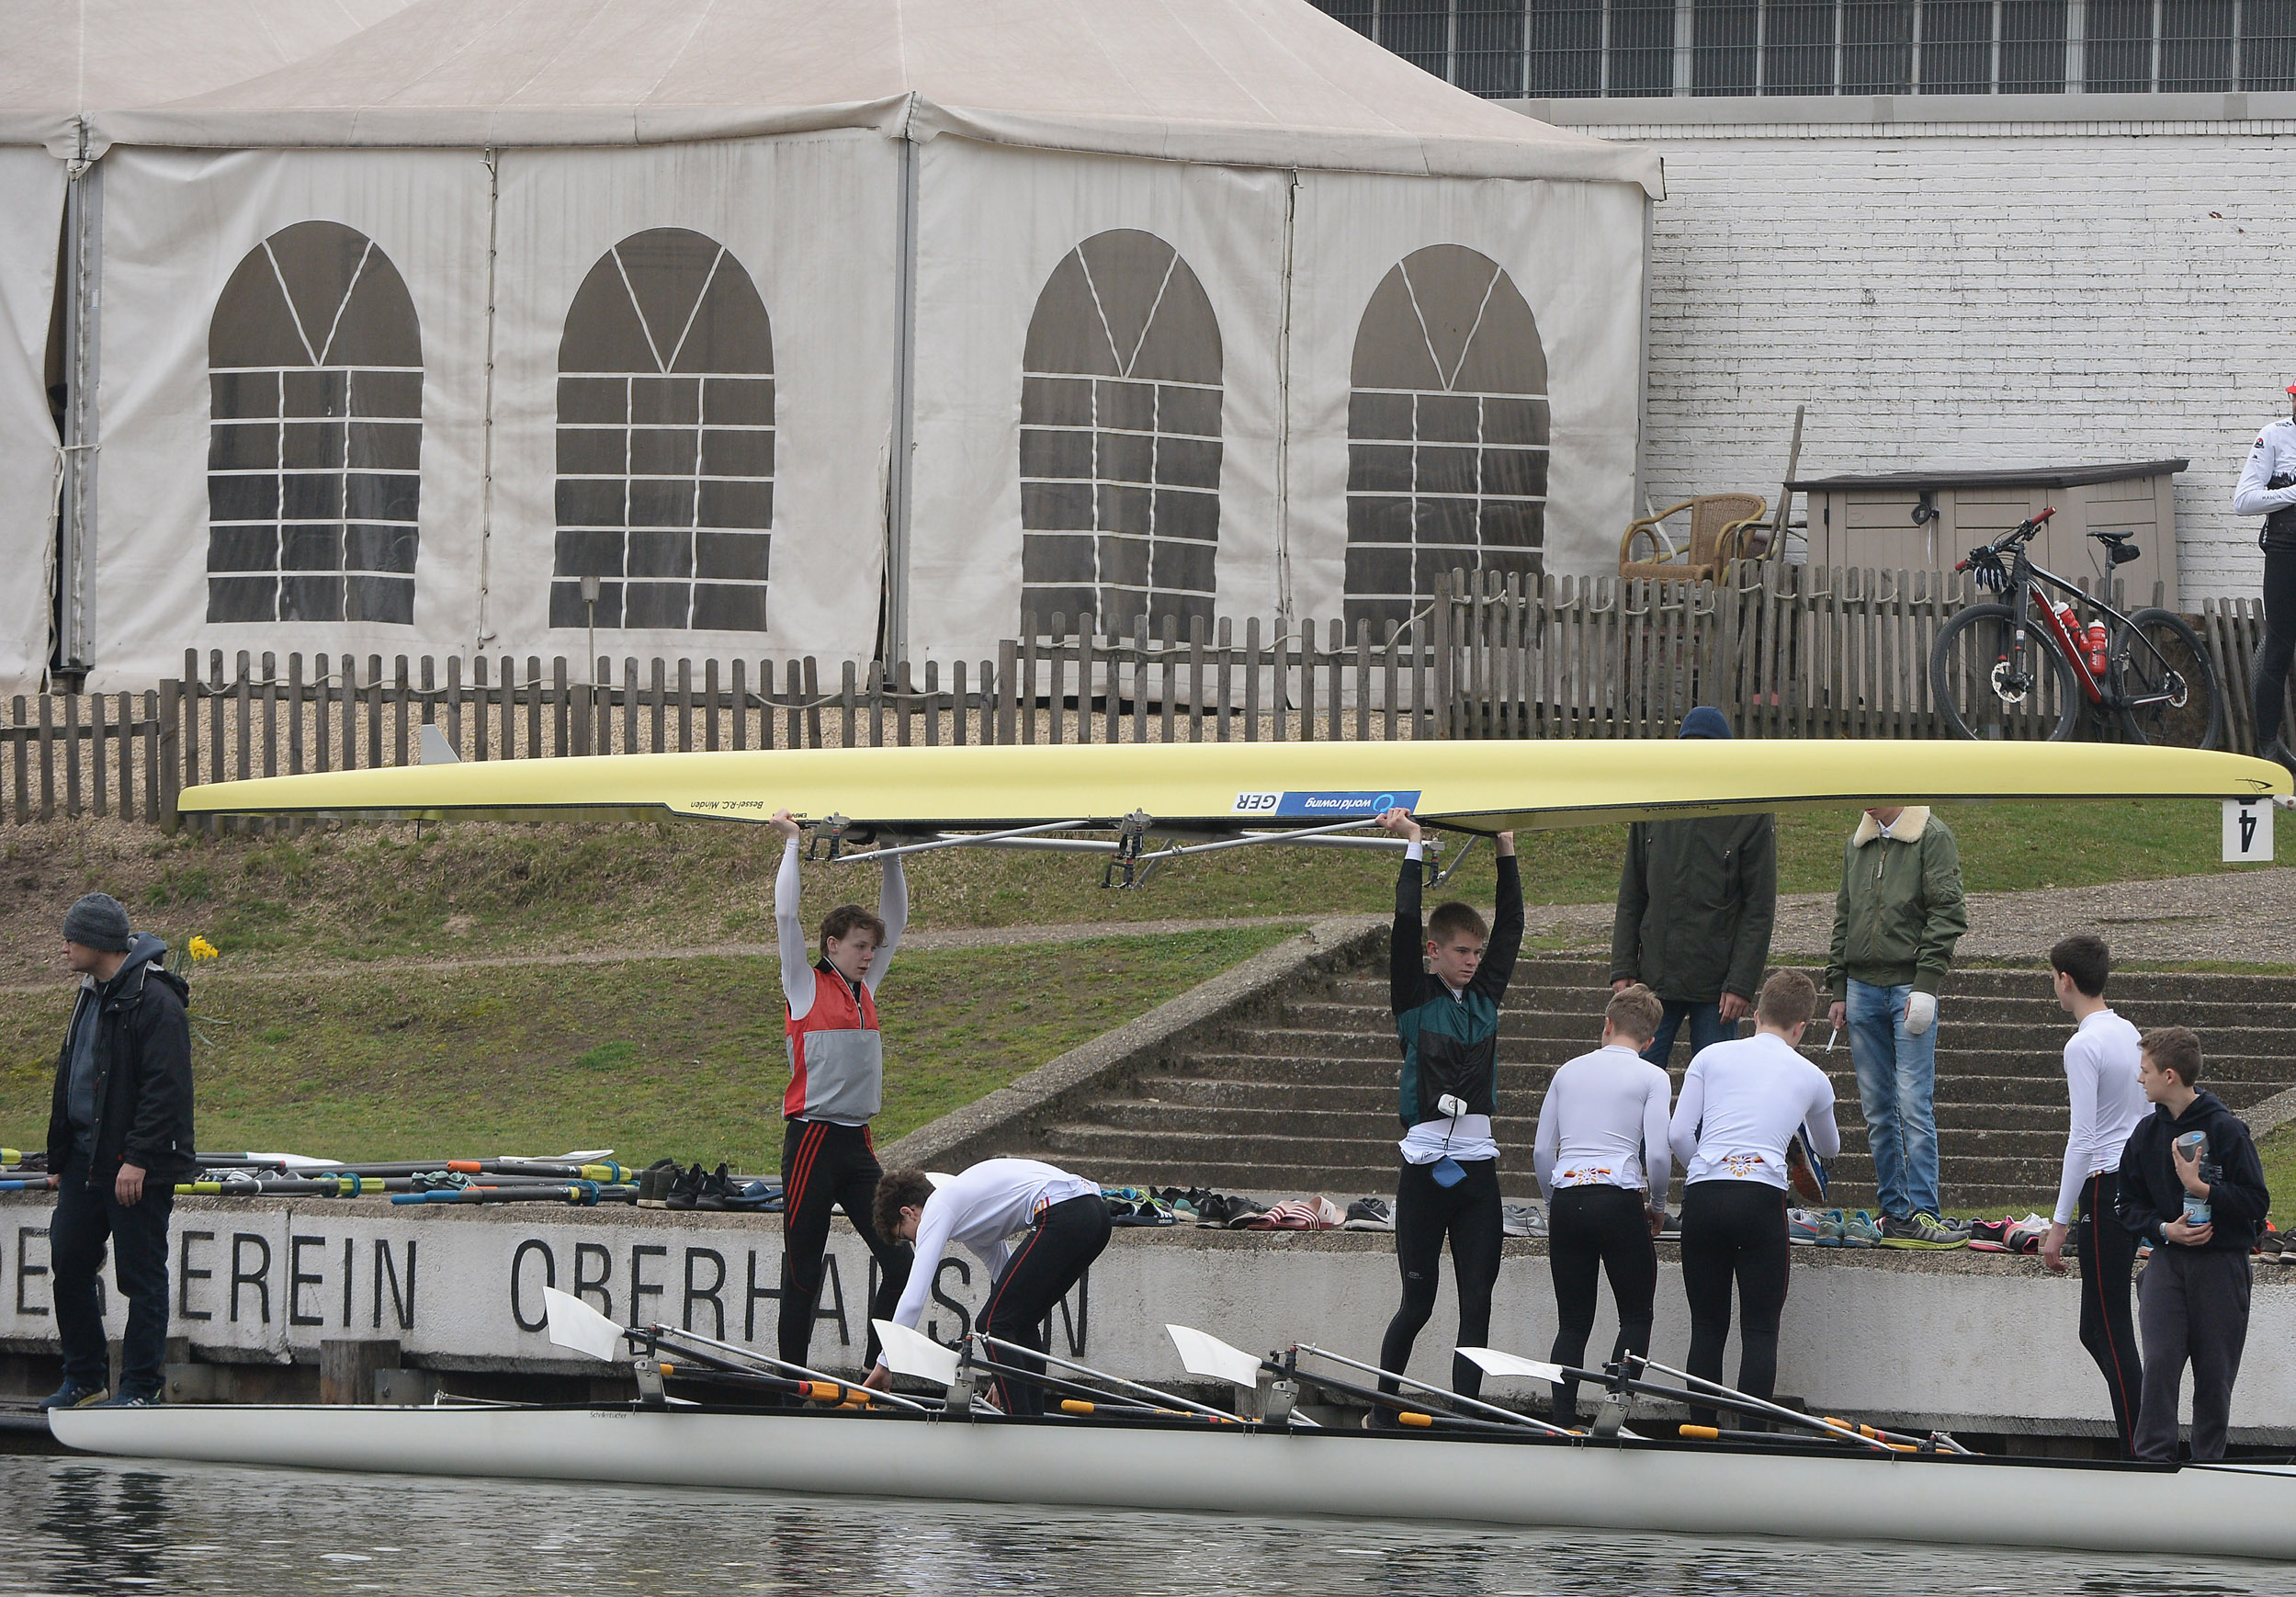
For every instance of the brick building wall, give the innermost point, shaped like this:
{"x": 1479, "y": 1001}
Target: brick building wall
{"x": 1966, "y": 293}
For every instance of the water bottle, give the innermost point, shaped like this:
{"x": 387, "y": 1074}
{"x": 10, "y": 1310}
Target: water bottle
{"x": 2096, "y": 649}
{"x": 2196, "y": 1145}
{"x": 2065, "y": 618}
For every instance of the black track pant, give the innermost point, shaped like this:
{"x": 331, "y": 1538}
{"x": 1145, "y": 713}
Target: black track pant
{"x": 1735, "y": 1232}
{"x": 2278, "y": 647}
{"x": 1052, "y": 1258}
{"x": 2194, "y": 1306}
{"x": 825, "y": 1167}
{"x": 82, "y": 1222}
{"x": 2108, "y": 1254}
{"x": 1590, "y": 1228}
{"x": 1425, "y": 1215}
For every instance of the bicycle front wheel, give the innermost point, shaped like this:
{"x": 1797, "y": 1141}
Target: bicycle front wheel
{"x": 2164, "y": 687}
{"x": 1991, "y": 685}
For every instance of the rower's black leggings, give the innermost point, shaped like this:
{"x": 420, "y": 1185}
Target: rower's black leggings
{"x": 2278, "y": 647}
{"x": 1589, "y": 1229}
{"x": 1735, "y": 1232}
{"x": 2106, "y": 1250}
{"x": 1425, "y": 1213}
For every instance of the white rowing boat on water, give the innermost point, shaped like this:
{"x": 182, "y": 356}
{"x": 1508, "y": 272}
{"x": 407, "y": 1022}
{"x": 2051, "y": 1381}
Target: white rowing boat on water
{"x": 1725, "y": 1488}
{"x": 1124, "y": 1446}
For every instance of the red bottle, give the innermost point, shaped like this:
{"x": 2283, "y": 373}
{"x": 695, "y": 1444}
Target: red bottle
{"x": 2097, "y": 648}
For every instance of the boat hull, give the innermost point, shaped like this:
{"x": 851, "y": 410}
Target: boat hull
{"x": 2199, "y": 1511}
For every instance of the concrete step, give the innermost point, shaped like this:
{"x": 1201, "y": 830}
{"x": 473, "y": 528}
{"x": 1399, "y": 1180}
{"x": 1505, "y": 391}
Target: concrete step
{"x": 2129, "y": 987}
{"x": 1565, "y": 1015}
{"x": 2267, "y": 1054}
{"x": 1358, "y": 1126}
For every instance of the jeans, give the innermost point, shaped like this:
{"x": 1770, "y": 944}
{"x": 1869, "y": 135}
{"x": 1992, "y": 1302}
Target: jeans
{"x": 1897, "y": 1077}
{"x": 137, "y": 1233}
{"x": 1707, "y": 1027}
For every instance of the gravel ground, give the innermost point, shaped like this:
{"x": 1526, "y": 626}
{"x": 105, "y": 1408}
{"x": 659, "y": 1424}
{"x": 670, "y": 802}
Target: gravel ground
{"x": 2245, "y": 917}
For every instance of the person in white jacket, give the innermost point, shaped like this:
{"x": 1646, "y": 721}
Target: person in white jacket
{"x": 2268, "y": 487}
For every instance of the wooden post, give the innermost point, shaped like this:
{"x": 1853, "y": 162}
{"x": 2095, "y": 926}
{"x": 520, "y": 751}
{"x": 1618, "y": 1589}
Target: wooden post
{"x": 1004, "y": 730}
{"x": 1168, "y": 659}
{"x": 561, "y": 707}
{"x": 660, "y": 706}
{"x": 739, "y": 688}
{"x": 1195, "y": 678}
{"x": 454, "y": 704}
{"x": 709, "y": 703}
{"x": 812, "y": 707}
{"x": 1251, "y": 679}
{"x": 685, "y": 705}
{"x": 1437, "y": 725}
{"x": 847, "y": 695}
{"x": 346, "y": 1368}
{"x": 159, "y": 755}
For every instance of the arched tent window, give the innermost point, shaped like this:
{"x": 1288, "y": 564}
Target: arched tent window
{"x": 665, "y": 440}
{"x": 316, "y": 386}
{"x": 1120, "y": 437}
{"x": 1447, "y": 432}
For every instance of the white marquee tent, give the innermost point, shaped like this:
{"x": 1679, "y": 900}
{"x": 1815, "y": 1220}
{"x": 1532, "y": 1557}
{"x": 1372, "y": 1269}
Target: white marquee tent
{"x": 798, "y": 325}
{"x": 64, "y": 59}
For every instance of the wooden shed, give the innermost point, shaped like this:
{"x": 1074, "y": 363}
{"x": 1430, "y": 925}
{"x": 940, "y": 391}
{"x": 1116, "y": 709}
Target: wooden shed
{"x": 1930, "y": 519}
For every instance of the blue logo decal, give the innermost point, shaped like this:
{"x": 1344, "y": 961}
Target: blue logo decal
{"x": 1342, "y": 806}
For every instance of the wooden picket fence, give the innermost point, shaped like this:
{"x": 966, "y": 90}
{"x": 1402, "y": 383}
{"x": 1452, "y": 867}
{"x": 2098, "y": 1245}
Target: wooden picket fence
{"x": 1782, "y": 650}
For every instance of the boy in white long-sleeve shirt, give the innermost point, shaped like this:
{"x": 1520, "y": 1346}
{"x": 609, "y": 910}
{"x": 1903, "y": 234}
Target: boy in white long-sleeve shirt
{"x": 1602, "y": 1162}
{"x": 836, "y": 1085}
{"x": 2101, "y": 1061}
{"x": 1067, "y": 1223}
{"x": 1742, "y": 1103}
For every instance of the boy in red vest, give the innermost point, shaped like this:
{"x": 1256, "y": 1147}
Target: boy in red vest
{"x": 836, "y": 1084}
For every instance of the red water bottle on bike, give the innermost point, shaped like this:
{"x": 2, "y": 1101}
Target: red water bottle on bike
{"x": 2066, "y": 619}
{"x": 2096, "y": 649}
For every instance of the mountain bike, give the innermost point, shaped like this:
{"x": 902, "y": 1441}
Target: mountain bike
{"x": 2025, "y": 667}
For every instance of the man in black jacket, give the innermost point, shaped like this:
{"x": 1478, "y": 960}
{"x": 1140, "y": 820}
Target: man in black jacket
{"x": 2192, "y": 1300}
{"x": 1696, "y": 902}
{"x": 119, "y": 1135}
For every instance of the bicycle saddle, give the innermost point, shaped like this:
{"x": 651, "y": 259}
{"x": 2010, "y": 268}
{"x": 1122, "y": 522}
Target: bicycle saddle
{"x": 2118, "y": 550}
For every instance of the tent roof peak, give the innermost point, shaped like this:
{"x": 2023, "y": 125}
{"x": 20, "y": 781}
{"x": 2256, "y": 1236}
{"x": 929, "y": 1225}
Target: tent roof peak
{"x": 1262, "y": 83}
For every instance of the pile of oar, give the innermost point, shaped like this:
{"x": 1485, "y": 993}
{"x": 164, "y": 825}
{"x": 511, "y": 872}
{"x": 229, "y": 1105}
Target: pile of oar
{"x": 581, "y": 1179}
{"x": 13, "y": 1177}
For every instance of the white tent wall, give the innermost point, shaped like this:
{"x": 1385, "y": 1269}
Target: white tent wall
{"x": 31, "y": 197}
{"x": 1573, "y": 250}
{"x": 813, "y": 222}
{"x": 993, "y": 225}
{"x": 178, "y": 226}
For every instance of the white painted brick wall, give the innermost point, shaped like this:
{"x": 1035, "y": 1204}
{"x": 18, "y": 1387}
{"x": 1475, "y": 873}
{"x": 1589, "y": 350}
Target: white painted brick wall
{"x": 2013, "y": 297}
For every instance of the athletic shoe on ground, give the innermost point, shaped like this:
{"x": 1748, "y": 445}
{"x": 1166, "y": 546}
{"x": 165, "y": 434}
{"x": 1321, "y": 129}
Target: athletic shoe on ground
{"x": 1810, "y": 1228}
{"x": 1920, "y": 1231}
{"x": 654, "y": 1182}
{"x": 1988, "y": 1232}
{"x": 128, "y": 1400}
{"x": 1859, "y": 1230}
{"x": 686, "y": 1191}
{"x": 716, "y": 1190}
{"x": 72, "y": 1395}
{"x": 1369, "y": 1214}
{"x": 1521, "y": 1220}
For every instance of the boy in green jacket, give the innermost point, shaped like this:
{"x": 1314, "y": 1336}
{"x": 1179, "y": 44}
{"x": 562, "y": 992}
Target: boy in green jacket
{"x": 1897, "y": 918}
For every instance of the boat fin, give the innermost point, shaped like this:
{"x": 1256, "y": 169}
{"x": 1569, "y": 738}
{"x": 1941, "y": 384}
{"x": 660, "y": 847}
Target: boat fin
{"x": 574, "y": 1324}
{"x": 911, "y": 1352}
{"x": 1496, "y": 1363}
{"x": 1208, "y": 1358}
{"x": 437, "y": 749}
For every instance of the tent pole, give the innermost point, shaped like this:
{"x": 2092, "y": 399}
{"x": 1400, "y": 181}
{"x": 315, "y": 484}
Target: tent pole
{"x": 76, "y": 523}
{"x": 1642, "y": 368}
{"x": 898, "y": 474}
{"x": 484, "y": 634}
{"x": 1284, "y": 411}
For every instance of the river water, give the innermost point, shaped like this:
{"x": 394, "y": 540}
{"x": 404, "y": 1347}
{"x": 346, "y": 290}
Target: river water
{"x": 85, "y": 1527}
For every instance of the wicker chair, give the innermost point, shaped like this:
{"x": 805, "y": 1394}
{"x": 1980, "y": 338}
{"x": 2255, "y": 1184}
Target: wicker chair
{"x": 1724, "y": 527}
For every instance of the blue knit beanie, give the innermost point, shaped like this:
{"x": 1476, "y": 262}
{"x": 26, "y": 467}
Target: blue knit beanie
{"x": 1705, "y": 721}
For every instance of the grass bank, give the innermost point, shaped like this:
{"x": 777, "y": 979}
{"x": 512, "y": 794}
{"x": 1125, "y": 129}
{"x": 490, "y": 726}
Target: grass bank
{"x": 382, "y": 893}
{"x": 2276, "y": 1153}
{"x": 650, "y": 1057}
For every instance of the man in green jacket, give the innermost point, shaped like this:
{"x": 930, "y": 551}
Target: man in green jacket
{"x": 1899, "y": 915}
{"x": 1696, "y": 901}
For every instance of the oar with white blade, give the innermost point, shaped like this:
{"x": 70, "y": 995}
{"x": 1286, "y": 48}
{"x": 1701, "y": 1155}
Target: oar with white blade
{"x": 575, "y": 1325}
{"x": 915, "y": 1354}
{"x": 1496, "y": 1363}
{"x": 1208, "y": 1358}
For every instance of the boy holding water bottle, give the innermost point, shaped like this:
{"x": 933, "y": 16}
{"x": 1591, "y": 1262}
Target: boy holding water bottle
{"x": 2192, "y": 1185}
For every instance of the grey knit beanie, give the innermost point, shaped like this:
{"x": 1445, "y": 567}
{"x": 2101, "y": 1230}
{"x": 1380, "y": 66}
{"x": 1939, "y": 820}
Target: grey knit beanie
{"x": 97, "y": 921}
